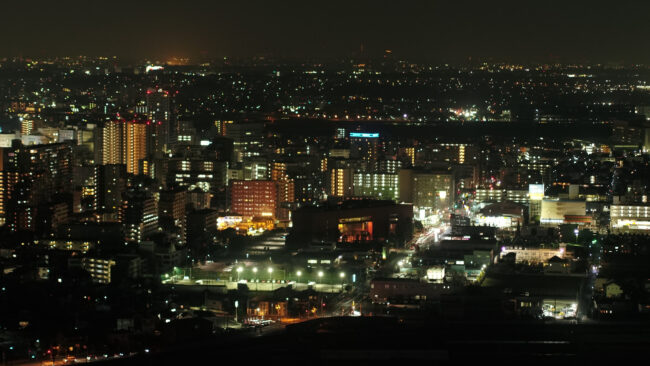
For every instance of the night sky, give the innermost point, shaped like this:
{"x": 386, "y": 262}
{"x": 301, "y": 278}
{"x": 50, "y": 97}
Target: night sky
{"x": 499, "y": 30}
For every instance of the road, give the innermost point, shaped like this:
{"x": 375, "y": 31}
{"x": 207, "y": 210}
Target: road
{"x": 431, "y": 235}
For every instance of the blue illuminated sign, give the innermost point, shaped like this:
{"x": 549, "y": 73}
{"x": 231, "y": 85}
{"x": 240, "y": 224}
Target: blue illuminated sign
{"x": 364, "y": 134}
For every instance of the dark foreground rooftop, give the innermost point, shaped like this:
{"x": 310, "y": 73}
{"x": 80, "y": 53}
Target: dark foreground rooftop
{"x": 385, "y": 340}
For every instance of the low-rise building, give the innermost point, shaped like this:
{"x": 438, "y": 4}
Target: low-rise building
{"x": 630, "y": 218}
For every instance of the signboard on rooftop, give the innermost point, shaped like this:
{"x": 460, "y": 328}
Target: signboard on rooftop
{"x": 372, "y": 135}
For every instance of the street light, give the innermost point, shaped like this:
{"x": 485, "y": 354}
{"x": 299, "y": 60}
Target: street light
{"x": 239, "y": 270}
{"x": 236, "y": 309}
{"x": 320, "y": 275}
{"x": 342, "y": 275}
{"x": 255, "y": 272}
{"x": 298, "y": 274}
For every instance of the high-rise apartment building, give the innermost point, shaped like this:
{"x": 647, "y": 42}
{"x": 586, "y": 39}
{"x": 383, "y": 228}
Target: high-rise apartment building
{"x": 286, "y": 188}
{"x": 254, "y": 198}
{"x": 32, "y": 176}
{"x": 162, "y": 130}
{"x": 123, "y": 141}
{"x": 111, "y": 142}
{"x": 376, "y": 185}
{"x": 135, "y": 145}
{"x": 139, "y": 215}
{"x": 341, "y": 181}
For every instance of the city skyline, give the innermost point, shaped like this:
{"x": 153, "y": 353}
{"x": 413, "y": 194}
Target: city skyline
{"x": 374, "y": 181}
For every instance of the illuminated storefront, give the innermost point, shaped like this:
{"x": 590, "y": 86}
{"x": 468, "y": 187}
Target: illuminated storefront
{"x": 355, "y": 229}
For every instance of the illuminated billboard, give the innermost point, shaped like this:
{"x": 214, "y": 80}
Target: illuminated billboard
{"x": 372, "y": 135}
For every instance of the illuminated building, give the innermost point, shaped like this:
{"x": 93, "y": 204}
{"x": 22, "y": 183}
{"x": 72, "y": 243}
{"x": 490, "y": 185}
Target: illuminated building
{"x": 27, "y": 125}
{"x": 3, "y": 189}
{"x": 339, "y": 153}
{"x": 556, "y": 211}
{"x": 65, "y": 244}
{"x": 207, "y": 174}
{"x": 222, "y": 126}
{"x": 186, "y": 134}
{"x": 225, "y": 222}
{"x": 135, "y": 145}
{"x": 309, "y": 188}
{"x": 376, "y": 185}
{"x": 389, "y": 166}
{"x": 535, "y": 255}
{"x": 341, "y": 182}
{"x": 247, "y": 139}
{"x": 352, "y": 221}
{"x": 489, "y": 195}
{"x": 123, "y": 141}
{"x": 8, "y": 181}
{"x": 449, "y": 152}
{"x": 235, "y": 173}
{"x": 279, "y": 171}
{"x": 535, "y": 197}
{"x": 286, "y": 193}
{"x": 100, "y": 270}
{"x": 197, "y": 199}
{"x": 542, "y": 168}
{"x": 32, "y": 176}
{"x": 364, "y": 146}
{"x": 517, "y": 196}
{"x": 254, "y": 198}
{"x": 110, "y": 145}
{"x": 161, "y": 128}
{"x": 323, "y": 165}
{"x": 83, "y": 179}
{"x": 34, "y": 140}
{"x": 5, "y": 184}
{"x": 427, "y": 190}
{"x": 627, "y": 133}
{"x": 255, "y": 169}
{"x": 67, "y": 135}
{"x": 504, "y": 215}
{"x": 629, "y": 218}
{"x": 139, "y": 215}
{"x": 7, "y": 138}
